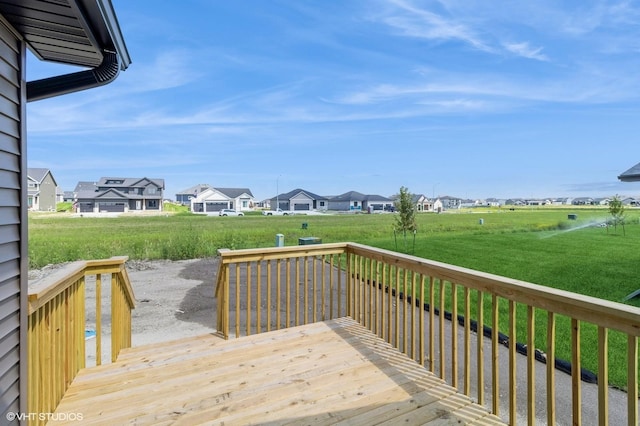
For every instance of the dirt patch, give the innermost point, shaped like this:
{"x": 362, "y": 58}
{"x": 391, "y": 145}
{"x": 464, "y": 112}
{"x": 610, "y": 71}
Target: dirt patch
{"x": 174, "y": 299}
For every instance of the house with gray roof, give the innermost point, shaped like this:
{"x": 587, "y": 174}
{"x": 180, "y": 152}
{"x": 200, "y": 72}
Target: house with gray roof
{"x": 354, "y": 201}
{"x": 212, "y": 200}
{"x": 422, "y": 203}
{"x": 119, "y": 195}
{"x": 299, "y": 200}
{"x": 41, "y": 190}
{"x": 184, "y": 197}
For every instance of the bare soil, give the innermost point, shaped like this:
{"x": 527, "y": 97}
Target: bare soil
{"x": 174, "y": 299}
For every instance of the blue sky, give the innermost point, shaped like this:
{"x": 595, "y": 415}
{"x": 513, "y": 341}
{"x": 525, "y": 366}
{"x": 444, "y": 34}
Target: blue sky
{"x": 462, "y": 98}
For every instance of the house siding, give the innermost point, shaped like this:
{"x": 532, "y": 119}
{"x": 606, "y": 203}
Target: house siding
{"x": 48, "y": 193}
{"x": 13, "y": 224}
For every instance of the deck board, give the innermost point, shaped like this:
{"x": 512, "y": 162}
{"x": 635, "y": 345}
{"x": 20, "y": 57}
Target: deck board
{"x": 332, "y": 372}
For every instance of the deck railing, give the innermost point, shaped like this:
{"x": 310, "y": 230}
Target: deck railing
{"x": 56, "y": 330}
{"x": 431, "y": 311}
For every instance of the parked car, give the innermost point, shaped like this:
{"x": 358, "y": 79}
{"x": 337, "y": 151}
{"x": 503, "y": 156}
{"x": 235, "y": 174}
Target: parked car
{"x": 229, "y": 212}
{"x": 278, "y": 212}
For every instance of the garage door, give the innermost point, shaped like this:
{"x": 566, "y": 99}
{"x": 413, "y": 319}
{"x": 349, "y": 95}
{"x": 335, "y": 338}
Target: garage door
{"x": 85, "y": 207}
{"x": 301, "y": 207}
{"x": 216, "y": 207}
{"x": 111, "y": 207}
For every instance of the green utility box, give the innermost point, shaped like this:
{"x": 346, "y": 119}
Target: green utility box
{"x": 309, "y": 240}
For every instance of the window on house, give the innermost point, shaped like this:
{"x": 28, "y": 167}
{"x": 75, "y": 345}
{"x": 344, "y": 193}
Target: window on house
{"x": 321, "y": 203}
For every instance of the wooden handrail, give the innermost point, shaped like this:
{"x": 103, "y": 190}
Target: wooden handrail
{"x": 56, "y": 327}
{"x": 612, "y": 315}
{"x": 390, "y": 292}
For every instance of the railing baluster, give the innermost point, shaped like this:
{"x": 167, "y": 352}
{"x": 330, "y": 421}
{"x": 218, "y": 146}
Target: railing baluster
{"x": 467, "y": 341}
{"x": 575, "y": 371}
{"x": 454, "y": 335}
{"x": 98, "y": 319}
{"x": 237, "y": 313}
{"x": 414, "y": 349}
{"x": 531, "y": 360}
{"x": 441, "y": 336}
{"x": 248, "y": 295}
{"x": 288, "y": 297}
{"x": 259, "y": 297}
{"x": 396, "y": 338}
{"x": 480, "y": 350}
{"x": 632, "y": 380}
{"x": 288, "y": 294}
{"x": 389, "y": 310}
{"x": 603, "y": 376}
{"x": 332, "y": 298}
{"x": 512, "y": 362}
{"x": 432, "y": 327}
{"x": 297, "y": 291}
{"x": 377, "y": 301}
{"x": 323, "y": 313}
{"x": 551, "y": 361}
{"x": 278, "y": 292}
{"x": 314, "y": 262}
{"x": 495, "y": 362}
{"x": 405, "y": 317}
{"x": 370, "y": 303}
{"x": 269, "y": 301}
{"x": 422, "y": 330}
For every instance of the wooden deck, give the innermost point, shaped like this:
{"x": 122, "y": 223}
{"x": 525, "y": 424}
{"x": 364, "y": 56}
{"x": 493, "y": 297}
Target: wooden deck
{"x": 333, "y": 372}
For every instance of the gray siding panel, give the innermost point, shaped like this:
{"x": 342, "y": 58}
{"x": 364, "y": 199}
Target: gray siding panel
{"x": 9, "y": 289}
{"x": 9, "y": 144}
{"x": 13, "y": 292}
{"x": 9, "y": 307}
{"x": 8, "y": 234}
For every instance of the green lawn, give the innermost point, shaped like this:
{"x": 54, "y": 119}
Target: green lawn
{"x": 537, "y": 245}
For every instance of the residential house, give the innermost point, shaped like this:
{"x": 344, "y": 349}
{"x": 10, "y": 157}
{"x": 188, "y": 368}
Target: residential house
{"x": 493, "y": 202}
{"x": 583, "y": 201}
{"x": 422, "y": 203}
{"x": 446, "y": 203}
{"x": 184, "y": 197}
{"x": 42, "y": 188}
{"x": 119, "y": 195}
{"x": 354, "y": 201}
{"x": 82, "y": 33}
{"x": 299, "y": 200}
{"x": 212, "y": 200}
{"x": 59, "y": 195}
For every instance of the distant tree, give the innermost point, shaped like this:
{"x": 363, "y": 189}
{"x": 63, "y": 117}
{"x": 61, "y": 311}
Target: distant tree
{"x": 406, "y": 217}
{"x": 616, "y": 210}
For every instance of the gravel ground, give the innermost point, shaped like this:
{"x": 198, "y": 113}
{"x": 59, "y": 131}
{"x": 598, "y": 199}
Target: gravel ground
{"x": 174, "y": 299}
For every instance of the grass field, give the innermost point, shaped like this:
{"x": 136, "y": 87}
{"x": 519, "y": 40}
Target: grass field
{"x": 537, "y": 245}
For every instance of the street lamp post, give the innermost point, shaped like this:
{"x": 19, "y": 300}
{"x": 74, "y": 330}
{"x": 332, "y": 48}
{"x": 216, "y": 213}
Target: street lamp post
{"x": 277, "y": 192}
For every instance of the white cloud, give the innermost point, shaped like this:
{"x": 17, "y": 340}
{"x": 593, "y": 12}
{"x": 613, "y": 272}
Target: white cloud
{"x": 412, "y": 21}
{"x": 523, "y": 49}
